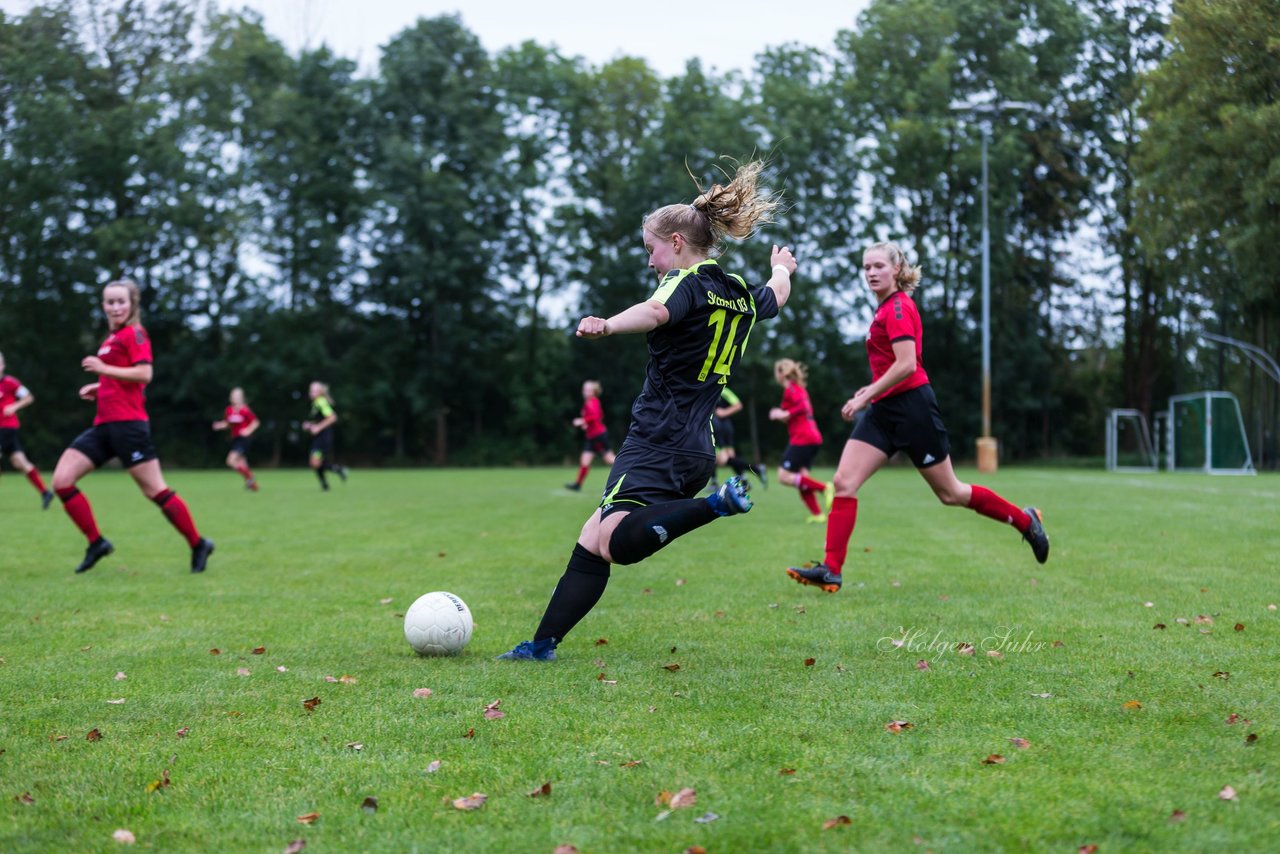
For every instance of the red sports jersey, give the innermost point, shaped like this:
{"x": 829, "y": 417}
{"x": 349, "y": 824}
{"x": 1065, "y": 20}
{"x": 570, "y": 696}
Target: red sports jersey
{"x": 896, "y": 320}
{"x": 593, "y": 414}
{"x": 238, "y": 418}
{"x": 11, "y": 391}
{"x": 118, "y": 400}
{"x": 801, "y": 428}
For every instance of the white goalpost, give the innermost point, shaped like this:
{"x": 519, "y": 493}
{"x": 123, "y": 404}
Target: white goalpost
{"x": 1206, "y": 434}
{"x": 1129, "y": 445}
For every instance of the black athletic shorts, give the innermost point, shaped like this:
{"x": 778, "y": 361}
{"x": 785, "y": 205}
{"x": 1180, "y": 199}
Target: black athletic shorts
{"x": 9, "y": 443}
{"x": 598, "y": 445}
{"x": 911, "y": 422}
{"x": 722, "y": 429}
{"x": 240, "y": 445}
{"x": 644, "y": 475}
{"x": 322, "y": 442}
{"x": 797, "y": 457}
{"x": 130, "y": 441}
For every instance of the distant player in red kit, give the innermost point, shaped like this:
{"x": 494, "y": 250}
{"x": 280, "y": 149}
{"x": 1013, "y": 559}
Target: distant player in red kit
{"x": 597, "y": 437}
{"x": 803, "y": 437}
{"x": 13, "y": 397}
{"x": 902, "y": 415}
{"x": 242, "y": 423}
{"x": 121, "y": 429}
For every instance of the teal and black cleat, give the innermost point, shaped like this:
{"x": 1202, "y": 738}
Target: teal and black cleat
{"x": 731, "y": 498}
{"x": 542, "y": 650}
{"x": 200, "y": 554}
{"x": 1035, "y": 534}
{"x": 816, "y": 575}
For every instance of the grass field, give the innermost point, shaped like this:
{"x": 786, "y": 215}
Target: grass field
{"x": 1129, "y": 743}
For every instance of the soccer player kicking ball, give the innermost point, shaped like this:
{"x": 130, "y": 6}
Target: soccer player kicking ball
{"x": 902, "y": 414}
{"x": 697, "y": 323}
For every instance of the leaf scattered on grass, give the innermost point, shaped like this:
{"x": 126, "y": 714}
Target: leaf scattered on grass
{"x": 386, "y": 601}
{"x": 673, "y": 666}
{"x": 162, "y": 783}
{"x": 631, "y": 763}
{"x": 1177, "y": 817}
{"x": 809, "y": 662}
{"x": 1227, "y": 793}
{"x": 565, "y": 849}
{"x": 923, "y": 665}
{"x": 1233, "y": 718}
{"x": 965, "y": 648}
{"x": 695, "y": 849}
{"x": 994, "y": 653}
{"x": 994, "y": 759}
{"x": 1204, "y": 620}
{"x": 604, "y": 681}
{"x": 686, "y": 797}
{"x": 357, "y": 746}
{"x": 120, "y": 677}
{"x": 471, "y": 802}
{"x": 492, "y": 712}
{"x": 310, "y": 705}
{"x": 836, "y": 822}
{"x": 786, "y": 772}
{"x": 433, "y": 766}
{"x": 1148, "y": 604}
{"x": 182, "y": 733}
{"x": 93, "y": 735}
{"x": 680, "y": 582}
{"x": 124, "y": 837}
{"x": 25, "y": 799}
{"x": 1131, "y": 705}
{"x": 308, "y": 818}
{"x": 259, "y": 650}
{"x": 1159, "y": 626}
{"x": 422, "y": 693}
{"x": 295, "y": 846}
{"x": 1251, "y": 738}
{"x": 601, "y": 641}
{"x": 898, "y": 726}
{"x": 369, "y": 804}
{"x": 215, "y": 651}
{"x": 1046, "y": 695}
{"x": 243, "y": 671}
{"x": 1087, "y": 849}
{"x": 1020, "y": 743}
{"x": 542, "y": 791}
{"x": 470, "y": 733}
{"x": 119, "y": 701}
{"x": 282, "y": 669}
{"x": 1221, "y": 674}
{"x": 706, "y": 818}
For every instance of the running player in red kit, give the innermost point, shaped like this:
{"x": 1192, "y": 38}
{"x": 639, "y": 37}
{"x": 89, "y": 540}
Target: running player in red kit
{"x": 804, "y": 440}
{"x": 121, "y": 429}
{"x": 242, "y": 423}
{"x": 596, "y": 439}
{"x": 13, "y": 397}
{"x": 902, "y": 415}
{"x": 697, "y": 324}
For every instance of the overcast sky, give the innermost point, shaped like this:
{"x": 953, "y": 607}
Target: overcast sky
{"x": 726, "y": 34}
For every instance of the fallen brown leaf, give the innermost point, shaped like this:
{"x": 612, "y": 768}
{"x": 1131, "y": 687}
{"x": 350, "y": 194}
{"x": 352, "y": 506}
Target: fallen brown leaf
{"x": 492, "y": 712}
{"x": 369, "y": 804}
{"x": 1233, "y": 718}
{"x": 565, "y": 849}
{"x": 1251, "y": 738}
{"x": 182, "y": 733}
{"x": 120, "y": 677}
{"x": 1087, "y": 849}
{"x": 1203, "y": 620}
{"x": 836, "y": 822}
{"x": 355, "y": 745}
{"x": 93, "y": 735}
{"x": 673, "y": 667}
{"x": 898, "y": 726}
{"x": 663, "y": 798}
{"x": 124, "y": 837}
{"x": 259, "y": 650}
{"x": 601, "y": 642}
{"x": 631, "y": 764}
{"x": 347, "y": 680}
{"x": 1227, "y": 793}
{"x": 542, "y": 791}
{"x": 1239, "y": 627}
{"x": 422, "y": 693}
{"x": 923, "y": 665}
{"x": 993, "y": 759}
{"x": 786, "y": 772}
{"x": 680, "y": 582}
{"x": 309, "y": 818}
{"x": 310, "y": 705}
{"x": 162, "y": 783}
{"x": 1132, "y": 704}
{"x": 965, "y": 648}
{"x": 1057, "y": 644}
{"x": 215, "y": 651}
{"x": 1020, "y": 743}
{"x": 471, "y": 802}
{"x": 1177, "y": 817}
{"x": 809, "y": 662}
{"x": 295, "y": 846}
{"x": 25, "y": 799}
{"x": 1159, "y": 626}
{"x": 1221, "y": 674}
{"x": 686, "y": 797}
{"x": 696, "y": 849}
{"x": 470, "y": 733}
{"x": 243, "y": 671}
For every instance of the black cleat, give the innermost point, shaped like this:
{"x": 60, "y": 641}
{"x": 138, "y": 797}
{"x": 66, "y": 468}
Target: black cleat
{"x": 816, "y": 575}
{"x": 46, "y": 498}
{"x": 97, "y": 550}
{"x": 341, "y": 471}
{"x": 573, "y": 487}
{"x": 760, "y": 471}
{"x": 200, "y": 554}
{"x": 1035, "y": 534}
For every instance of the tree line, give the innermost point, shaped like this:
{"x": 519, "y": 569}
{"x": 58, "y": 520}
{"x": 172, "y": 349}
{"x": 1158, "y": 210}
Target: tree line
{"x": 424, "y": 237}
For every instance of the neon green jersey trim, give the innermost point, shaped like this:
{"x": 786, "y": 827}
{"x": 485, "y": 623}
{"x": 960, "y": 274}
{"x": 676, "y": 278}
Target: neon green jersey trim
{"x": 729, "y": 397}
{"x": 323, "y": 406}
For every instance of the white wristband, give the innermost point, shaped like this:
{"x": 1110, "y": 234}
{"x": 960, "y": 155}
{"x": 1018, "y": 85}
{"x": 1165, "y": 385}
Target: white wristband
{"x": 777, "y": 267}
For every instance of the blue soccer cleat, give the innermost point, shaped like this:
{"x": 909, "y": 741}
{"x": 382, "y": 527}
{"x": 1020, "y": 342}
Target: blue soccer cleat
{"x": 543, "y": 650}
{"x": 731, "y": 498}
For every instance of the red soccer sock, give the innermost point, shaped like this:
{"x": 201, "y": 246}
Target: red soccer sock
{"x": 840, "y": 523}
{"x": 244, "y": 472}
{"x": 992, "y": 506}
{"x": 807, "y": 482}
{"x": 582, "y": 473}
{"x": 810, "y": 500}
{"x": 77, "y": 507}
{"x": 36, "y": 480}
{"x": 175, "y": 510}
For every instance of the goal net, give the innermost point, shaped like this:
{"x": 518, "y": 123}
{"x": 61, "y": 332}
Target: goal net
{"x": 1129, "y": 445}
{"x": 1206, "y": 433}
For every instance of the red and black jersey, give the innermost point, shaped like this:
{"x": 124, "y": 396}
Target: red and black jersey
{"x": 593, "y": 415}
{"x": 11, "y": 391}
{"x": 238, "y": 418}
{"x": 896, "y": 320}
{"x": 119, "y": 400}
{"x": 801, "y": 428}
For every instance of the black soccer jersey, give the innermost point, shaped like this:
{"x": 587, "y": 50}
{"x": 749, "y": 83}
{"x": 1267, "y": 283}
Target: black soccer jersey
{"x": 693, "y": 353}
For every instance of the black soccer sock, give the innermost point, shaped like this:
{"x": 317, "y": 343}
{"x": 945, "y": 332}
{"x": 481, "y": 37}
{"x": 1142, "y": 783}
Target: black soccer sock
{"x": 324, "y": 481}
{"x": 648, "y": 529}
{"x": 739, "y": 467}
{"x": 579, "y": 590}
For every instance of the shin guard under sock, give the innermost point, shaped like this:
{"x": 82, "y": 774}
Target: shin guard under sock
{"x": 649, "y": 529}
{"x": 578, "y": 591}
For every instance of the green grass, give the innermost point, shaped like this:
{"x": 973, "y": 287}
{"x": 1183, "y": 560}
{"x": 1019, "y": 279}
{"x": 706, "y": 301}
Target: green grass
{"x": 302, "y": 574}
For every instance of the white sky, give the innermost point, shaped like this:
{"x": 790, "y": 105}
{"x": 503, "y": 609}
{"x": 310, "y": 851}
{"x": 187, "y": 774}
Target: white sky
{"x": 726, "y": 34}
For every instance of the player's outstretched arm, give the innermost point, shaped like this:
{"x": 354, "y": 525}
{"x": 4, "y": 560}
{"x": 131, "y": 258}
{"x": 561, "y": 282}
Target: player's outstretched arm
{"x": 641, "y": 317}
{"x": 784, "y": 265}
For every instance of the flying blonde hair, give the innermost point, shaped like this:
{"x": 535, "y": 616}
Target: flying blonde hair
{"x": 734, "y": 210}
{"x": 792, "y": 371}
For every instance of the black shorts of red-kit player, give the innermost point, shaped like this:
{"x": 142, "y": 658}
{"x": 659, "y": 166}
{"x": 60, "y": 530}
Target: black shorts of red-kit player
{"x": 579, "y": 590}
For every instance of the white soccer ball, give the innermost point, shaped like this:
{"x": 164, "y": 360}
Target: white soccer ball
{"x": 438, "y": 623}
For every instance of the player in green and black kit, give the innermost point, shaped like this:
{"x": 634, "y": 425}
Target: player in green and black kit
{"x": 320, "y": 426}
{"x": 722, "y": 428}
{"x": 697, "y": 324}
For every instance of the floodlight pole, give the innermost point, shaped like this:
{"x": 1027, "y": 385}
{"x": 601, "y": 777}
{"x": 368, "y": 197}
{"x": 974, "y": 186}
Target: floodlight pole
{"x": 986, "y": 446}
